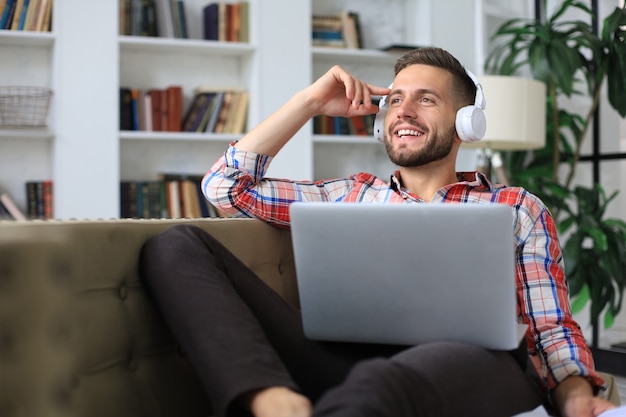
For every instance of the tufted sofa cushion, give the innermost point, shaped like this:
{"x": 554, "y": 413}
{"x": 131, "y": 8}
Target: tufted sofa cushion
{"x": 78, "y": 334}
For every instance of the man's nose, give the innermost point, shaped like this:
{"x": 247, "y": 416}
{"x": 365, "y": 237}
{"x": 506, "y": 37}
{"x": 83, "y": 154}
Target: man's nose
{"x": 407, "y": 110}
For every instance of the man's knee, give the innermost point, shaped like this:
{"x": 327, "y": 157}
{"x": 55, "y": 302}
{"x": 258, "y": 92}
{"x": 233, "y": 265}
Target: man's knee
{"x": 166, "y": 249}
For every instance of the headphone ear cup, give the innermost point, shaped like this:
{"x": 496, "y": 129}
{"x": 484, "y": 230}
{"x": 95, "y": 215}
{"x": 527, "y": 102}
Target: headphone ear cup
{"x": 470, "y": 123}
{"x": 379, "y": 124}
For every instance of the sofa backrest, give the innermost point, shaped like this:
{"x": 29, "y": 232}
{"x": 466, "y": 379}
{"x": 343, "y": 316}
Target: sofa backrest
{"x": 79, "y": 335}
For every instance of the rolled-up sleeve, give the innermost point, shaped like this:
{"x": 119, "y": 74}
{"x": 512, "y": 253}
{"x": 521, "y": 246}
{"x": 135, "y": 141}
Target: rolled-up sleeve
{"x": 557, "y": 345}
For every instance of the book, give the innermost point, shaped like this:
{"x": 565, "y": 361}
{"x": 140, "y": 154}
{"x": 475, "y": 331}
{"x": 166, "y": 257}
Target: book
{"x": 210, "y": 22}
{"x": 33, "y": 8}
{"x": 6, "y": 18}
{"x": 230, "y": 112}
{"x": 174, "y": 110}
{"x": 179, "y": 18}
{"x": 172, "y": 198}
{"x": 244, "y": 21}
{"x": 9, "y": 205}
{"x": 134, "y": 97}
{"x": 15, "y": 23}
{"x": 147, "y": 20}
{"x": 147, "y": 111}
{"x": 358, "y": 126}
{"x": 185, "y": 196}
{"x": 350, "y": 32}
{"x": 38, "y": 16}
{"x": 341, "y": 30}
{"x": 4, "y": 214}
{"x": 215, "y": 111}
{"x": 164, "y": 23}
{"x": 240, "y": 113}
{"x": 128, "y": 199}
{"x": 223, "y": 112}
{"x": 226, "y": 21}
{"x": 39, "y": 201}
{"x": 182, "y": 17}
{"x": 196, "y": 114}
{"x": 155, "y": 108}
{"x": 327, "y": 30}
{"x": 43, "y": 25}
{"x": 126, "y": 109}
{"x": 22, "y": 19}
{"x": 233, "y": 22}
{"x": 141, "y": 199}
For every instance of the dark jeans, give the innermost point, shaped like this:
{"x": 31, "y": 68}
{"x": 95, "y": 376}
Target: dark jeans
{"x": 240, "y": 335}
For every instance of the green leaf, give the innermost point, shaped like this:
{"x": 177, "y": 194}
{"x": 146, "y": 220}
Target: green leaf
{"x": 608, "y": 319}
{"x": 581, "y": 300}
{"x": 600, "y": 242}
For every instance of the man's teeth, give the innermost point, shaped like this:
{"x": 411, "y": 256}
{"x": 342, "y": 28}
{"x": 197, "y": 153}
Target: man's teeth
{"x": 408, "y": 132}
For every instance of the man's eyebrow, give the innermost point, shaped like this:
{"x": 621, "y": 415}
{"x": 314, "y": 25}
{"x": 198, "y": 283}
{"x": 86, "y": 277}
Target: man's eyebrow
{"x": 420, "y": 92}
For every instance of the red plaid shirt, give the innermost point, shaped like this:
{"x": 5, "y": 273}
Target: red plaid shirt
{"x": 236, "y": 184}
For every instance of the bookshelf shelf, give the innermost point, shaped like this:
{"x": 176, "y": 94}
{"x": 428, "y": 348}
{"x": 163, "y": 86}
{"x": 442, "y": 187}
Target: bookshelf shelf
{"x": 351, "y": 139}
{"x": 37, "y": 134}
{"x": 22, "y": 38}
{"x": 169, "y": 45}
{"x": 126, "y": 135}
{"x": 353, "y": 55}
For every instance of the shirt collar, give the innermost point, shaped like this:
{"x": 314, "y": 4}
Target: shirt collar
{"x": 472, "y": 179}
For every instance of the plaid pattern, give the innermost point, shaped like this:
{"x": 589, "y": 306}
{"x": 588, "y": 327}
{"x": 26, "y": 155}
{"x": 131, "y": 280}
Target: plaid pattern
{"x": 236, "y": 184}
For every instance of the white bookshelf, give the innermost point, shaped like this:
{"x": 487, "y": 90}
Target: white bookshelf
{"x": 25, "y": 153}
{"x": 85, "y": 61}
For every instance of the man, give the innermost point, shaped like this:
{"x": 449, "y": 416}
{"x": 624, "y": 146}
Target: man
{"x": 247, "y": 344}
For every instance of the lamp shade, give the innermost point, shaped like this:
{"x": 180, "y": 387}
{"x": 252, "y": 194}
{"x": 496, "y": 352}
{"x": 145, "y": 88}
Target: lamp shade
{"x": 515, "y": 113}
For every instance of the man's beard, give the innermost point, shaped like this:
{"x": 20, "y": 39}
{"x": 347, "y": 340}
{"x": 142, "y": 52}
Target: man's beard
{"x": 436, "y": 148}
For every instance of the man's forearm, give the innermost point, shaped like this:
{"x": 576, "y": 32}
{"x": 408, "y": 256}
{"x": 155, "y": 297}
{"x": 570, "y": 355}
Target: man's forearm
{"x": 571, "y": 389}
{"x": 274, "y": 132}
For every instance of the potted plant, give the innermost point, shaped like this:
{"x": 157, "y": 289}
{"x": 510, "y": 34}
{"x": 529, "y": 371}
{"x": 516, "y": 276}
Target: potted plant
{"x": 571, "y": 59}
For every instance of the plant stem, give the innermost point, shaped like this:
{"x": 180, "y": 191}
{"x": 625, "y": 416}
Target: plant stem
{"x": 583, "y": 134}
{"x": 556, "y": 153}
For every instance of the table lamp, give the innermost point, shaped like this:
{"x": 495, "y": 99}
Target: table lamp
{"x": 516, "y": 119}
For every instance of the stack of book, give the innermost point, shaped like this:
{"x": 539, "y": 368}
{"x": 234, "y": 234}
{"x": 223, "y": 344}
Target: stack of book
{"x": 341, "y": 30}
{"x": 171, "y": 196}
{"x": 227, "y": 22}
{"x": 33, "y": 15}
{"x": 39, "y": 203}
{"x": 164, "y": 18}
{"x": 355, "y": 126}
{"x": 155, "y": 109}
{"x": 216, "y": 111}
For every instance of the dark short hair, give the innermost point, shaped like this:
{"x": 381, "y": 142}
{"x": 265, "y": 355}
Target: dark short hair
{"x": 463, "y": 88}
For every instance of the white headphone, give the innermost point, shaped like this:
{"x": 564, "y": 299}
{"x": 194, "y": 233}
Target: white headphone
{"x": 470, "y": 120}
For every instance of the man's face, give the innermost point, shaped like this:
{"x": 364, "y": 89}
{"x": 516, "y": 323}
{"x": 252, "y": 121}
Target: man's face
{"x": 419, "y": 124}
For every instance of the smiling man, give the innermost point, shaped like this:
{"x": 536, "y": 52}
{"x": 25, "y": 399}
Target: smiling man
{"x": 247, "y": 344}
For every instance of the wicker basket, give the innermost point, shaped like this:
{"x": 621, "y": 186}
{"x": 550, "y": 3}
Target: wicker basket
{"x": 24, "y": 106}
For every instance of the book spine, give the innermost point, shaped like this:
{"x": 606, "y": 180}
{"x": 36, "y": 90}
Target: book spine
{"x": 210, "y": 21}
{"x": 11, "y": 207}
{"x": 15, "y": 21}
{"x": 22, "y": 21}
{"x": 48, "y": 200}
{"x": 174, "y": 108}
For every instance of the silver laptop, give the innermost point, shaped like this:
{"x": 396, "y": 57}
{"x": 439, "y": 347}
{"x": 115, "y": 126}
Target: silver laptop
{"x": 406, "y": 273}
